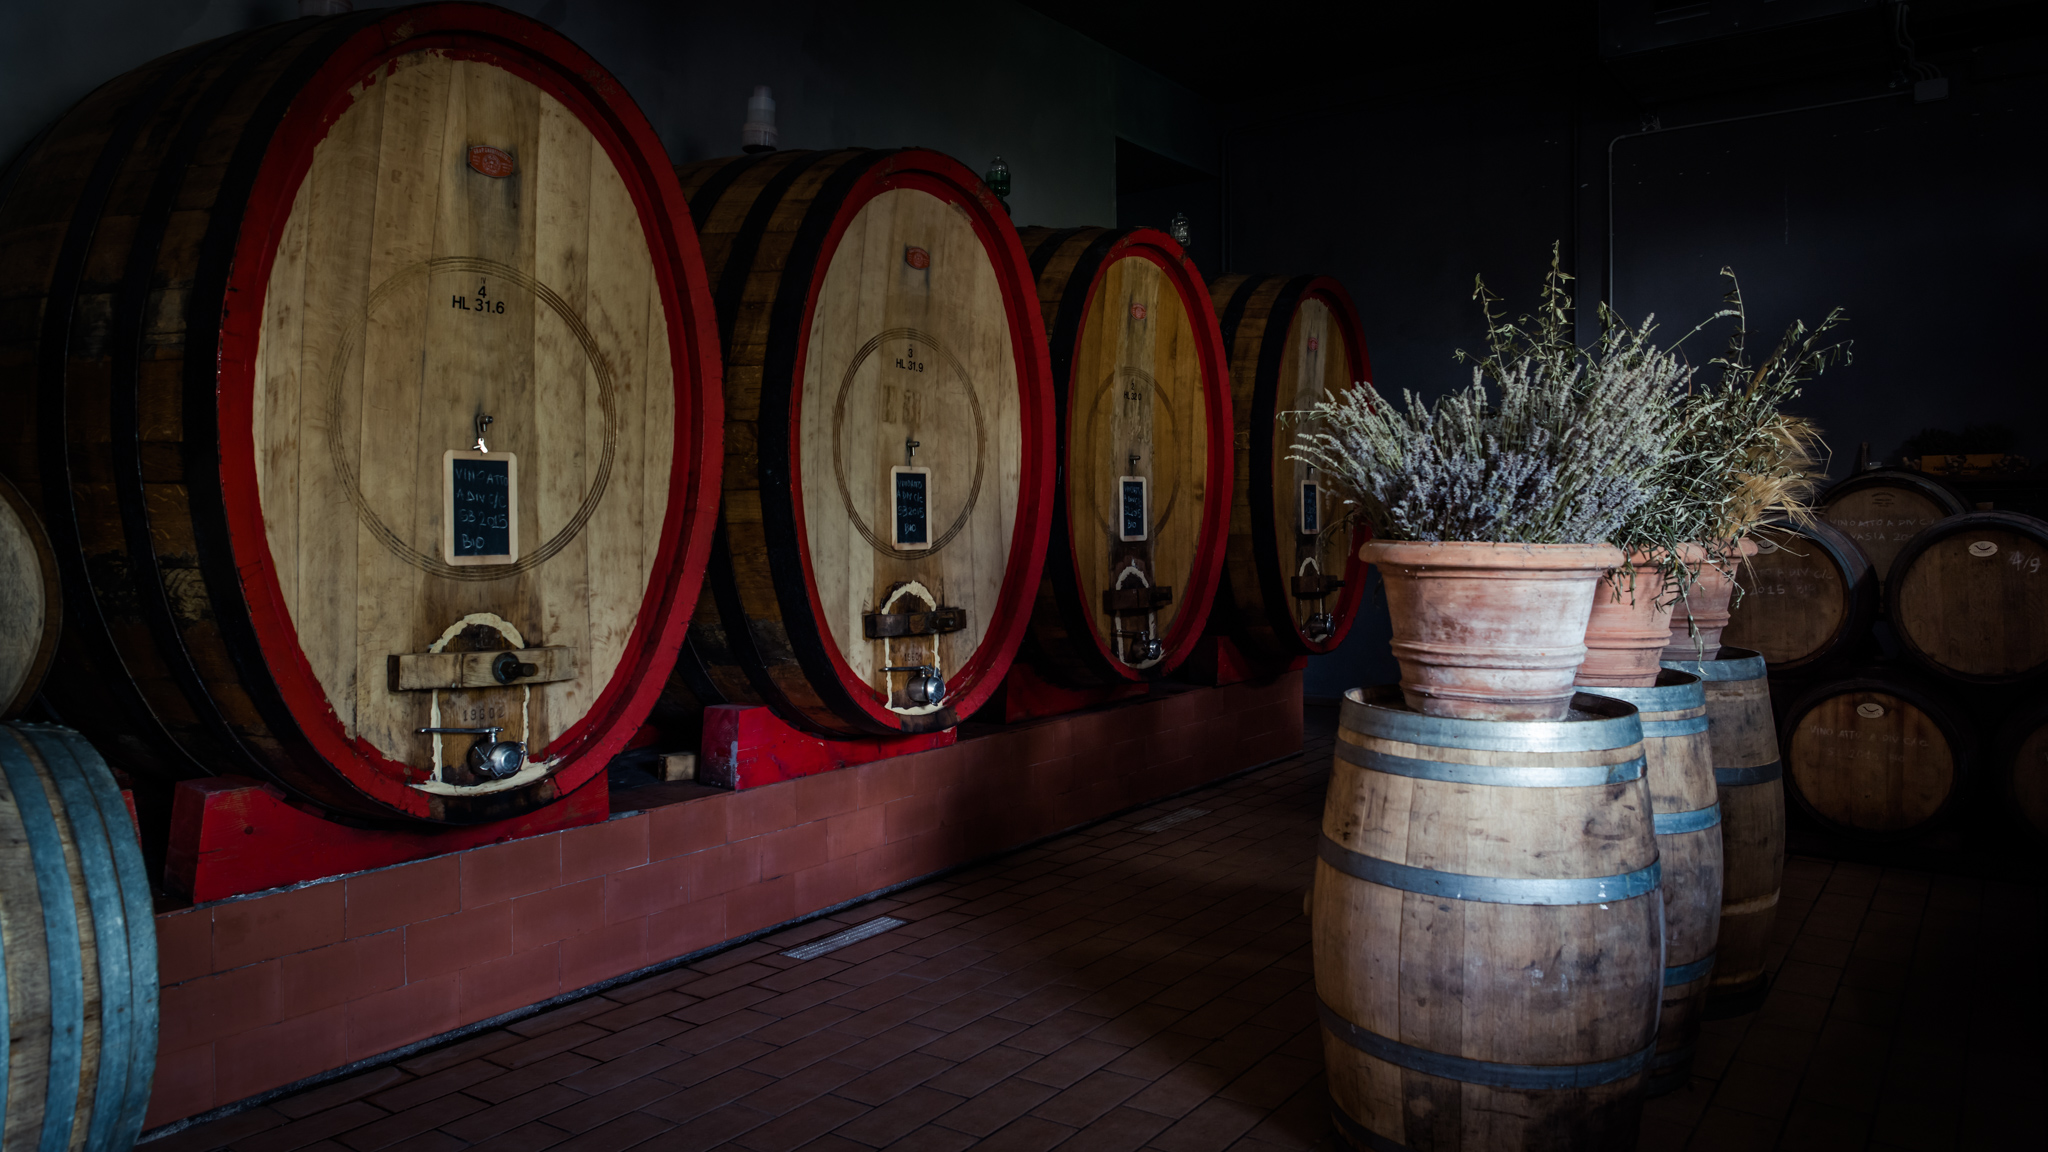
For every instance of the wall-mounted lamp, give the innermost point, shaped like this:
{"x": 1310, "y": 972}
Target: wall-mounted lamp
{"x": 998, "y": 180}
{"x": 758, "y": 133}
{"x": 1179, "y": 230}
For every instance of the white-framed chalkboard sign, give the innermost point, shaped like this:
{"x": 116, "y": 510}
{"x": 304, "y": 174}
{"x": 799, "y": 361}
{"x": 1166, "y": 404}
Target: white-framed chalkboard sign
{"x": 910, "y": 507}
{"x": 479, "y": 507}
{"x": 1134, "y": 508}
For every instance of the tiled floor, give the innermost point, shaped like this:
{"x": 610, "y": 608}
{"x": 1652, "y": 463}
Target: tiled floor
{"x": 1122, "y": 988}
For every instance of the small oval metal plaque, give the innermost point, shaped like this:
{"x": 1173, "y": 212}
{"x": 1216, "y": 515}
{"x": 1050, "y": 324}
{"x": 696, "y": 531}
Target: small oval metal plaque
{"x": 493, "y": 162}
{"x": 917, "y": 258}
{"x": 1764, "y": 547}
{"x": 1983, "y": 548}
{"x": 1870, "y": 711}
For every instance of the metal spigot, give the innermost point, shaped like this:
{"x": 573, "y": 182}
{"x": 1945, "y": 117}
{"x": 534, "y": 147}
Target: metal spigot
{"x": 495, "y": 758}
{"x": 1146, "y": 648}
{"x": 1319, "y": 627}
{"x": 924, "y": 686}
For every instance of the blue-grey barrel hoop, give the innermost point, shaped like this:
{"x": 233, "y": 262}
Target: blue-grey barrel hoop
{"x": 1673, "y": 823}
{"x": 1489, "y": 889}
{"x": 1761, "y": 774}
{"x": 1684, "y": 726}
{"x": 60, "y": 936}
{"x": 1734, "y": 664}
{"x": 91, "y": 836}
{"x": 1608, "y": 724}
{"x": 1519, "y": 1077}
{"x": 1494, "y": 775}
{"x": 1687, "y": 973}
{"x": 6, "y": 1009}
{"x": 1360, "y": 1134}
{"x": 1687, "y": 691}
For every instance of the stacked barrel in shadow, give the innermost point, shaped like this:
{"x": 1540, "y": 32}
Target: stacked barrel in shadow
{"x": 1906, "y": 636}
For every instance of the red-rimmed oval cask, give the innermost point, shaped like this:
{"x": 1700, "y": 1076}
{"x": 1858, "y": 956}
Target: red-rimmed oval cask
{"x": 1142, "y": 400}
{"x": 2020, "y": 764}
{"x": 1875, "y": 758}
{"x": 1808, "y": 597}
{"x": 31, "y": 602}
{"x": 888, "y": 474}
{"x": 1293, "y": 577}
{"x": 1749, "y": 778}
{"x": 1968, "y": 597}
{"x": 1487, "y": 918}
{"x": 1686, "y": 811}
{"x": 283, "y": 277}
{"x": 1884, "y": 508}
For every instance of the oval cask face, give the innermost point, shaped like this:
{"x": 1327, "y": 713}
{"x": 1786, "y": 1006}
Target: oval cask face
{"x": 1311, "y": 537}
{"x": 910, "y": 442}
{"x": 1882, "y": 513}
{"x": 1795, "y": 602}
{"x": 31, "y": 602}
{"x": 1871, "y": 761}
{"x": 1974, "y": 602}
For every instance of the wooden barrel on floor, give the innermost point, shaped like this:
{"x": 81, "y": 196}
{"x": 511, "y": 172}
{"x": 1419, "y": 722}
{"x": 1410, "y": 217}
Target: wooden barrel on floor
{"x": 31, "y": 602}
{"x": 1293, "y": 576}
{"x": 368, "y": 385}
{"x": 1686, "y": 811}
{"x": 1487, "y": 928}
{"x": 889, "y": 443}
{"x": 80, "y": 980}
{"x": 1808, "y": 598}
{"x": 1750, "y": 780}
{"x": 1142, "y": 400}
{"x": 1876, "y": 757}
{"x": 1883, "y": 509}
{"x": 1968, "y": 597}
{"x": 2020, "y": 763}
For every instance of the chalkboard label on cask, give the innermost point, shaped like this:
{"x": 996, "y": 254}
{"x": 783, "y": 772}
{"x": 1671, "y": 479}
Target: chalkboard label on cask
{"x": 1311, "y": 518}
{"x": 479, "y": 507}
{"x": 1135, "y": 509}
{"x": 912, "y": 512}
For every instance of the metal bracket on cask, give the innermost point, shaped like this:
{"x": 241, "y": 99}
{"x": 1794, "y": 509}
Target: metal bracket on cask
{"x": 1315, "y": 585}
{"x": 1138, "y": 601}
{"x": 891, "y": 625}
{"x": 425, "y": 671}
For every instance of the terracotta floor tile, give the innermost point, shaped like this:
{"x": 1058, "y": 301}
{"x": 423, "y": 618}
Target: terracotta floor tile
{"x": 1088, "y": 1099}
{"x": 996, "y": 1106}
{"x": 1026, "y": 1134}
{"x": 1118, "y": 1130}
{"x": 891, "y": 1121}
{"x": 894, "y": 1078}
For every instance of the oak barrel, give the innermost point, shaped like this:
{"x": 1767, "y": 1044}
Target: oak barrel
{"x": 1750, "y": 779}
{"x": 1686, "y": 808}
{"x": 1968, "y": 597}
{"x": 1884, "y": 508}
{"x": 372, "y": 387}
{"x": 888, "y": 474}
{"x": 2021, "y": 764}
{"x": 31, "y": 602}
{"x": 1292, "y": 577}
{"x": 1142, "y": 404}
{"x": 1808, "y": 598}
{"x": 80, "y": 980}
{"x": 1487, "y": 928}
{"x": 1875, "y": 757}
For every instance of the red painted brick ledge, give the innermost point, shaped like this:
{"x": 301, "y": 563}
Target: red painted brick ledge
{"x": 277, "y": 991}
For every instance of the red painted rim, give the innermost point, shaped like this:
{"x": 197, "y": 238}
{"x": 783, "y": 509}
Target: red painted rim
{"x": 1212, "y": 542}
{"x": 938, "y": 175}
{"x": 536, "y": 54}
{"x": 1334, "y": 297}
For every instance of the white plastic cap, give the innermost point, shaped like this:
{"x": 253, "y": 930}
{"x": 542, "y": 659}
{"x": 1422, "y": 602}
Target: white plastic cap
{"x": 758, "y": 133}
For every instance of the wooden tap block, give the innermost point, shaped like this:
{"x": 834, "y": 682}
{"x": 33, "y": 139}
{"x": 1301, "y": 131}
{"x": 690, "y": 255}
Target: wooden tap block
{"x": 420, "y": 671}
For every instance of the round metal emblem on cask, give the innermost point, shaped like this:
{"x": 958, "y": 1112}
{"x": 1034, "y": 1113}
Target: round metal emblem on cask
{"x": 1809, "y": 596}
{"x": 1875, "y": 758}
{"x": 1968, "y": 597}
{"x": 1743, "y": 743}
{"x": 1293, "y": 576}
{"x": 888, "y": 474}
{"x": 376, "y": 465}
{"x": 1883, "y": 509}
{"x": 78, "y": 979}
{"x": 1487, "y": 922}
{"x": 31, "y": 602}
{"x": 1142, "y": 398}
{"x": 2020, "y": 764}
{"x": 1687, "y": 818}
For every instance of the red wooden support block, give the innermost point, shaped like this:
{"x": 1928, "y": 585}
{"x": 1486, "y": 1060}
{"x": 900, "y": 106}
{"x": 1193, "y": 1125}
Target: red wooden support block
{"x": 745, "y": 746}
{"x": 231, "y": 836}
{"x": 1026, "y": 696}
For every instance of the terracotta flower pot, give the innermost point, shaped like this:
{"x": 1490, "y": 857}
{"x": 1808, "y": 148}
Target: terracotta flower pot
{"x": 1705, "y": 605}
{"x": 1490, "y": 631}
{"x": 1629, "y": 628}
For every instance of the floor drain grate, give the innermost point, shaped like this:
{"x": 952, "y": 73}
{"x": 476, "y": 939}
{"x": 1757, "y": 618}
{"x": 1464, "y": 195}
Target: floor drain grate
{"x": 1170, "y": 819}
{"x": 838, "y": 940}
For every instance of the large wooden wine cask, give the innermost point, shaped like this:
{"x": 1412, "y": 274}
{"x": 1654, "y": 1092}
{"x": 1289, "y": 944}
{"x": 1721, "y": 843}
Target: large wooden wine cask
{"x": 363, "y": 371}
{"x": 1293, "y": 576}
{"x": 889, "y": 440}
{"x": 1968, "y": 597}
{"x": 1808, "y": 597}
{"x": 1875, "y": 757}
{"x": 1487, "y": 922}
{"x": 31, "y": 602}
{"x": 2020, "y": 763}
{"x": 79, "y": 986}
{"x": 1884, "y": 508}
{"x": 1142, "y": 506}
{"x": 1686, "y": 810}
{"x": 1750, "y": 780}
